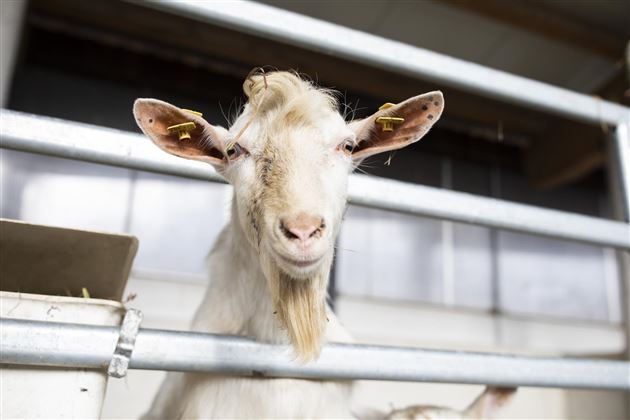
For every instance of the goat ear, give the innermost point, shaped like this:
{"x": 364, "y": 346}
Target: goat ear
{"x": 419, "y": 114}
{"x": 206, "y": 142}
{"x": 487, "y": 404}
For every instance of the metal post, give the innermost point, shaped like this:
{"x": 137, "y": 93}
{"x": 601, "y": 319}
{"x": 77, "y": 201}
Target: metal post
{"x": 619, "y": 178}
{"x": 12, "y": 18}
{"x": 88, "y": 346}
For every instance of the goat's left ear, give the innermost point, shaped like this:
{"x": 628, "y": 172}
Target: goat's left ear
{"x": 171, "y": 130}
{"x": 418, "y": 115}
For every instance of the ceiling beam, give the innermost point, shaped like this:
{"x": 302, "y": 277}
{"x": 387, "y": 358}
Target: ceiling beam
{"x": 535, "y": 17}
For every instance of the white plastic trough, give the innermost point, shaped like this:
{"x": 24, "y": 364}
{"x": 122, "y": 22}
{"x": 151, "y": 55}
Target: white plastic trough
{"x": 43, "y": 271}
{"x": 42, "y": 392}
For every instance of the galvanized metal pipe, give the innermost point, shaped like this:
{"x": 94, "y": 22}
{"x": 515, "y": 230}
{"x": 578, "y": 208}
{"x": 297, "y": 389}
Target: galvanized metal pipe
{"x": 619, "y": 173}
{"x": 89, "y": 143}
{"x": 366, "y": 49}
{"x": 621, "y": 156}
{"x": 468, "y": 208}
{"x": 71, "y": 345}
{"x": 112, "y": 147}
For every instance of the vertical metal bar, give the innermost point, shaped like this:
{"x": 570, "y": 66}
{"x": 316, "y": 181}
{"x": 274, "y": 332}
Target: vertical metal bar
{"x": 495, "y": 309}
{"x": 448, "y": 263}
{"x": 131, "y": 196}
{"x": 448, "y": 241}
{"x": 621, "y": 166}
{"x": 619, "y": 178}
{"x": 11, "y": 18}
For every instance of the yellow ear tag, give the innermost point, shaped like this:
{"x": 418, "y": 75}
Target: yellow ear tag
{"x": 199, "y": 114}
{"x": 388, "y": 122}
{"x": 182, "y": 130}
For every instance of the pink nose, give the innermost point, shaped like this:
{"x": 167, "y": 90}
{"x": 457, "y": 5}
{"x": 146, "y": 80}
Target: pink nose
{"x": 302, "y": 227}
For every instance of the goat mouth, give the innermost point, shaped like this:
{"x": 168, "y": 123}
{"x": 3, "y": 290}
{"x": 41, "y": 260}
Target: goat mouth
{"x": 301, "y": 263}
{"x": 298, "y": 262}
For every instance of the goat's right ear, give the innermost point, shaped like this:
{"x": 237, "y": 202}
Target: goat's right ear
{"x": 204, "y": 141}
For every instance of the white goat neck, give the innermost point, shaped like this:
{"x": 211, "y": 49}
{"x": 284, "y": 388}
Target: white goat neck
{"x": 237, "y": 300}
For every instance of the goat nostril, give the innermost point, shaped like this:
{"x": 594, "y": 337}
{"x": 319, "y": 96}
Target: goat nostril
{"x": 302, "y": 227}
{"x": 317, "y": 231}
{"x": 287, "y": 233}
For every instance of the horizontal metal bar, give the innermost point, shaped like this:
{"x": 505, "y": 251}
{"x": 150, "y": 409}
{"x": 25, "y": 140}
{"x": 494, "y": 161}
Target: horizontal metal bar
{"x": 72, "y": 140}
{"x": 86, "y": 346}
{"x": 467, "y": 208}
{"x": 89, "y": 143}
{"x": 335, "y": 40}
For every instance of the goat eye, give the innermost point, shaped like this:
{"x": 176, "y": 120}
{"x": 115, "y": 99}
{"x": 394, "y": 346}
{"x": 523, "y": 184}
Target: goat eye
{"x": 234, "y": 151}
{"x": 347, "y": 146}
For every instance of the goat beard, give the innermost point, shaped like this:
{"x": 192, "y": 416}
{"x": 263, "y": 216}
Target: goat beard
{"x": 300, "y": 307}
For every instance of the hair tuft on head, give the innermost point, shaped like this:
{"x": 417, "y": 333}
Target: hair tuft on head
{"x": 276, "y": 90}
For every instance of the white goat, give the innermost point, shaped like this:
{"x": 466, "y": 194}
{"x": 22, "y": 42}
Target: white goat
{"x": 288, "y": 156}
{"x": 484, "y": 407}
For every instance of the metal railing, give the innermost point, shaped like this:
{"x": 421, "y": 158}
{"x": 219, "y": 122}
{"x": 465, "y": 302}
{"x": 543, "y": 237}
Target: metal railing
{"x": 112, "y": 147}
{"x": 89, "y": 346}
{"x": 396, "y": 57}
{"x": 29, "y": 342}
